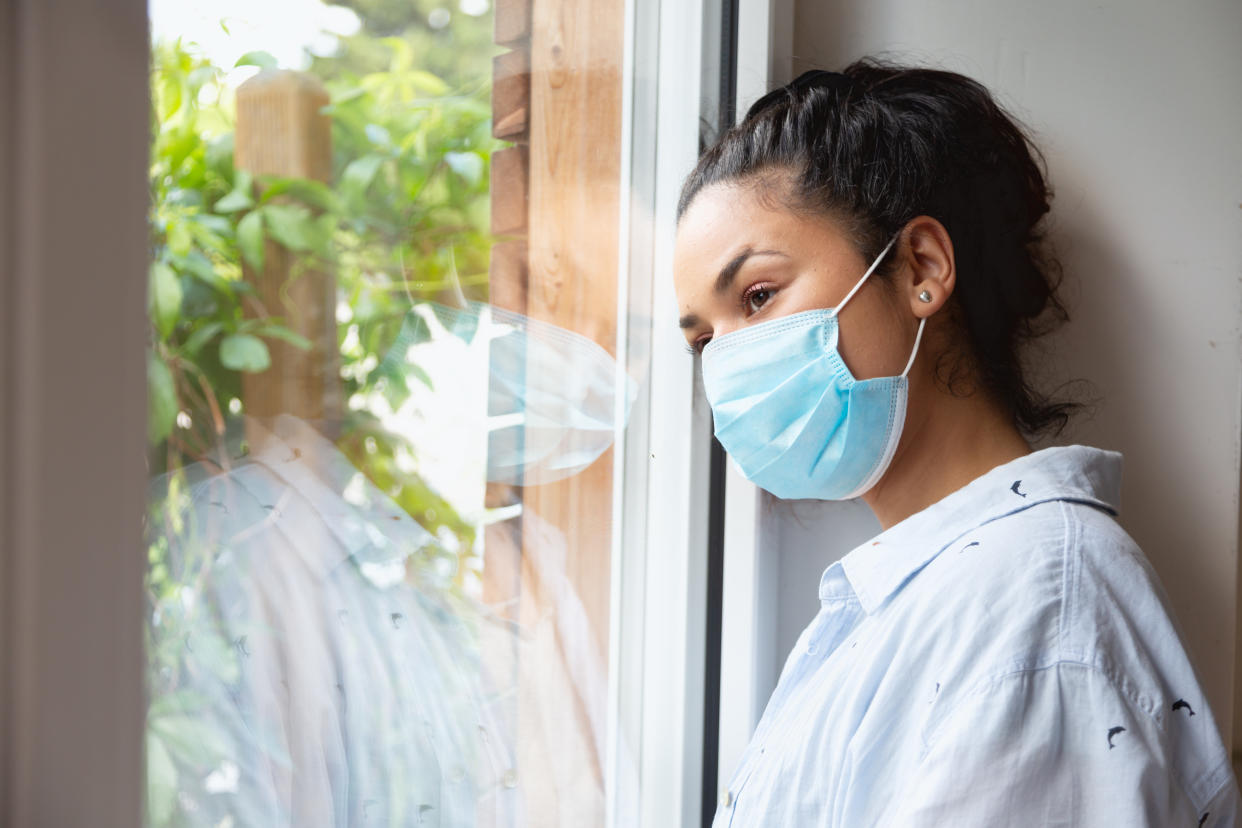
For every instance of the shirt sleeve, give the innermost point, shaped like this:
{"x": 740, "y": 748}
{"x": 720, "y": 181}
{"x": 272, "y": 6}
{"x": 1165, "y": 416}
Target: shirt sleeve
{"x": 1061, "y": 745}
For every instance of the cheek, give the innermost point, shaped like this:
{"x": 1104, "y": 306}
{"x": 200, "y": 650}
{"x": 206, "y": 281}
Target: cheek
{"x": 873, "y": 341}
{"x": 807, "y": 292}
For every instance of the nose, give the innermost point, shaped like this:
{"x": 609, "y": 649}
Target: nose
{"x": 726, "y": 328}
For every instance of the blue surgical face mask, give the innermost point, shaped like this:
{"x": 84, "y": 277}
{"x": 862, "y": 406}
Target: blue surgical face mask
{"x": 790, "y": 413}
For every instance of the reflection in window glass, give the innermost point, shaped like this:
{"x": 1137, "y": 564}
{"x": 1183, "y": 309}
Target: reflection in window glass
{"x": 382, "y": 403}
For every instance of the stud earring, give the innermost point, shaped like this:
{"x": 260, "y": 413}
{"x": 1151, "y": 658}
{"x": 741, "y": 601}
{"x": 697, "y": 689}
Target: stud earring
{"x": 925, "y": 296}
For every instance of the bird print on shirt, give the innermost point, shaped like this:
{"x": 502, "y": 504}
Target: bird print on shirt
{"x": 1180, "y": 703}
{"x": 1014, "y": 488}
{"x": 967, "y": 546}
{"x": 1113, "y": 731}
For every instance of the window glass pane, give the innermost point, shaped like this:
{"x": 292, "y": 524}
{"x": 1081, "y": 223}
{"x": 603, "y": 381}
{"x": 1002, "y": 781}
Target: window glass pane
{"x": 383, "y": 402}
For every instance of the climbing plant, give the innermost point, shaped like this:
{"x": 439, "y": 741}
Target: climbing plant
{"x": 403, "y": 220}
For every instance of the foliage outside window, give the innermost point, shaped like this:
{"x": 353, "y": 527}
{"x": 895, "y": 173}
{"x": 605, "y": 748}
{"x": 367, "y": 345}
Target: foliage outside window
{"x": 403, "y": 221}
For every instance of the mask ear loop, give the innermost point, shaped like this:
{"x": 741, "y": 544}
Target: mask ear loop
{"x": 918, "y": 337}
{"x": 867, "y": 275}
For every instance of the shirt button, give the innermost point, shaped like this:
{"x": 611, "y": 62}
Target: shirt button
{"x": 510, "y": 779}
{"x": 726, "y": 798}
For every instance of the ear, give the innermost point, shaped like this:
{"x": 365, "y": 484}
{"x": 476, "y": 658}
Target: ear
{"x": 928, "y": 253}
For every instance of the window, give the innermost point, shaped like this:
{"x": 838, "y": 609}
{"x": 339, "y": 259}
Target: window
{"x": 423, "y": 540}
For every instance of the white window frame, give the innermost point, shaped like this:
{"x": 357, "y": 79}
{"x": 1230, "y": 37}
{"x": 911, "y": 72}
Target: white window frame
{"x": 749, "y": 660}
{"x": 659, "y": 584}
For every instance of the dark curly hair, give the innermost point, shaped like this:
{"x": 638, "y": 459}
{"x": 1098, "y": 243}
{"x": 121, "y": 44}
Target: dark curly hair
{"x": 875, "y": 146}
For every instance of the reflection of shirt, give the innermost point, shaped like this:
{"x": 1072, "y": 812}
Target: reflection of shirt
{"x": 317, "y": 667}
{"x": 1004, "y": 657}
{"x": 323, "y": 673}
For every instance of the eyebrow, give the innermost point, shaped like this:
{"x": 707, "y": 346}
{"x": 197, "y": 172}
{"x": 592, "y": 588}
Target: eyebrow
{"x": 729, "y": 272}
{"x": 724, "y": 280}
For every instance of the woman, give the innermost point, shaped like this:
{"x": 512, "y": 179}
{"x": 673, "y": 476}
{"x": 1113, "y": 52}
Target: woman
{"x": 859, "y": 263}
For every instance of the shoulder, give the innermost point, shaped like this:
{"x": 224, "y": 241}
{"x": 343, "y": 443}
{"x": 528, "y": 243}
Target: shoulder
{"x": 1004, "y": 582}
{"x": 1072, "y": 586}
{"x": 1091, "y": 634}
{"x": 1116, "y": 615}
{"x": 1063, "y": 569}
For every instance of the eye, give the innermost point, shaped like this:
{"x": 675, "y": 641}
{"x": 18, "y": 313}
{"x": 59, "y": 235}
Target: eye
{"x": 756, "y": 296}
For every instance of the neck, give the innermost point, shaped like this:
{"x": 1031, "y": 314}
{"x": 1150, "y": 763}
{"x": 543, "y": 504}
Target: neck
{"x": 956, "y": 440}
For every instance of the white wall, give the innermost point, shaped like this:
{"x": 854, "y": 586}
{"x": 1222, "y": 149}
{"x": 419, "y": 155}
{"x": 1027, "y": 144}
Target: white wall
{"x": 1138, "y": 107}
{"x": 74, "y": 129}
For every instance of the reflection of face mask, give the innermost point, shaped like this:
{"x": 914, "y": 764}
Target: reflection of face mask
{"x": 560, "y": 388}
{"x": 551, "y": 393}
{"x": 790, "y": 413}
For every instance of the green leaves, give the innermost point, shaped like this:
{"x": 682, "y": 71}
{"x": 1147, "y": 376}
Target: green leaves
{"x": 313, "y": 193}
{"x": 358, "y": 175}
{"x": 250, "y": 239}
{"x": 284, "y": 334}
{"x": 290, "y": 225}
{"x": 261, "y": 59}
{"x": 201, "y": 336}
{"x": 240, "y": 197}
{"x": 163, "y": 298}
{"x": 161, "y": 400}
{"x": 244, "y": 352}
{"x": 469, "y": 165}
{"x": 200, "y": 267}
{"x": 180, "y": 237}
{"x": 378, "y": 135}
{"x": 234, "y": 201}
{"x": 403, "y": 215}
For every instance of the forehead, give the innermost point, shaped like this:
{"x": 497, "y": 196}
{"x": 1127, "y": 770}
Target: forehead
{"x": 726, "y": 218}
{"x": 725, "y": 209}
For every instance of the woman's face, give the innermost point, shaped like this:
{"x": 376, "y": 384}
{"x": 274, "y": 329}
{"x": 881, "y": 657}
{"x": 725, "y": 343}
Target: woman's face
{"x": 741, "y": 259}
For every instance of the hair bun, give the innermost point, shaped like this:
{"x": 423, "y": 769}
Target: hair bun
{"x": 799, "y": 86}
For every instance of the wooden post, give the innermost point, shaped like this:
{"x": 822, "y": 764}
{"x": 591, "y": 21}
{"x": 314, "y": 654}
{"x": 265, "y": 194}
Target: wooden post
{"x": 574, "y": 192}
{"x": 558, "y": 96}
{"x": 282, "y": 131}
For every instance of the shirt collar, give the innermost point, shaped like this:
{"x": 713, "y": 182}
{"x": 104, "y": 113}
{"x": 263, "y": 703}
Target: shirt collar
{"x": 878, "y": 568}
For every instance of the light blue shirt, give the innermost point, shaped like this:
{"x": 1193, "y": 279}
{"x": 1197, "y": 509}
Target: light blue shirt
{"x": 1007, "y": 656}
